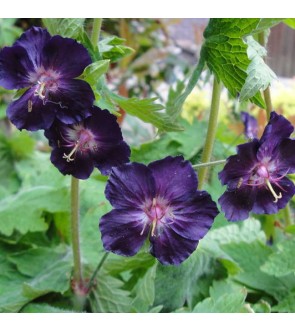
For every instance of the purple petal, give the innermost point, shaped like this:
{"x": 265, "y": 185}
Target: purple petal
{"x": 123, "y": 231}
{"x": 130, "y": 186}
{"x": 171, "y": 248}
{"x": 236, "y": 204}
{"x": 15, "y": 67}
{"x": 81, "y": 167}
{"x": 286, "y": 156}
{"x": 174, "y": 177}
{"x": 66, "y": 55}
{"x": 250, "y": 124}
{"x": 194, "y": 217}
{"x": 115, "y": 156}
{"x": 33, "y": 41}
{"x": 264, "y": 203}
{"x": 240, "y": 165}
{"x": 29, "y": 112}
{"x": 277, "y": 129}
{"x": 73, "y": 100}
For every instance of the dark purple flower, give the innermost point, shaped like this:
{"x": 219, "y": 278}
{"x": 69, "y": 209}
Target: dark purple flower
{"x": 95, "y": 142}
{"x": 256, "y": 176}
{"x": 160, "y": 202}
{"x": 47, "y": 67}
{"x": 250, "y": 124}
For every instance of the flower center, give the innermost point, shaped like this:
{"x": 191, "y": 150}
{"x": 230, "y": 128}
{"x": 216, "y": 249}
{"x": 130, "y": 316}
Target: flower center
{"x": 80, "y": 139}
{"x": 156, "y": 212}
{"x": 261, "y": 176}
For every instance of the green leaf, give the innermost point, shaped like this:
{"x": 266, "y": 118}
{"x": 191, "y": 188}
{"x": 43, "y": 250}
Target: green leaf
{"x": 94, "y": 71}
{"x": 147, "y": 111}
{"x": 262, "y": 307}
{"x": 260, "y": 75}
{"x": 24, "y": 211}
{"x": 43, "y": 308}
{"x": 49, "y": 269}
{"x": 174, "y": 284}
{"x": 290, "y": 22}
{"x": 145, "y": 291}
{"x": 108, "y": 296}
{"x": 113, "y": 48}
{"x": 226, "y": 53}
{"x": 225, "y": 297}
{"x": 281, "y": 262}
{"x": 66, "y": 27}
{"x": 187, "y": 143}
{"x": 286, "y": 305}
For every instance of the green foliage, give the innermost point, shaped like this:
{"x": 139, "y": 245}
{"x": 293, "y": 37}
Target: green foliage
{"x": 287, "y": 304}
{"x": 281, "y": 262}
{"x": 226, "y": 54}
{"x": 94, "y": 71}
{"x": 8, "y": 31}
{"x": 43, "y": 308}
{"x": 113, "y": 48}
{"x": 290, "y": 22}
{"x": 260, "y": 75}
{"x": 225, "y": 297}
{"x": 65, "y": 27}
{"x": 108, "y": 296}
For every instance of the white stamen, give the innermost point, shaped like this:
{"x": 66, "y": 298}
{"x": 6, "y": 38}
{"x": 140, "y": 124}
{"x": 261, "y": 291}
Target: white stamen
{"x": 68, "y": 156}
{"x": 276, "y": 197}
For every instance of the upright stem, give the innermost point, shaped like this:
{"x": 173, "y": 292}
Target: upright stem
{"x": 266, "y": 92}
{"x": 96, "y": 31}
{"x": 288, "y": 215}
{"x": 75, "y": 230}
{"x": 211, "y": 132}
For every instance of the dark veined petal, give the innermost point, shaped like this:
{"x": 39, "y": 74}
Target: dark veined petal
{"x": 264, "y": 203}
{"x": 33, "y": 41}
{"x": 250, "y": 125}
{"x": 171, "y": 248}
{"x": 73, "y": 100}
{"x": 195, "y": 217}
{"x": 241, "y": 164}
{"x": 123, "y": 231}
{"x": 15, "y": 67}
{"x": 130, "y": 185}
{"x": 81, "y": 167}
{"x": 29, "y": 112}
{"x": 276, "y": 130}
{"x": 114, "y": 156}
{"x": 237, "y": 203}
{"x": 66, "y": 56}
{"x": 174, "y": 177}
{"x": 286, "y": 156}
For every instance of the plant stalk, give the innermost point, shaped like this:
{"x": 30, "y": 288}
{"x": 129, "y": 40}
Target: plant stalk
{"x": 266, "y": 92}
{"x": 96, "y": 31}
{"x": 211, "y": 163}
{"x": 211, "y": 132}
{"x": 288, "y": 215}
{"x": 75, "y": 231}
{"x": 92, "y": 279}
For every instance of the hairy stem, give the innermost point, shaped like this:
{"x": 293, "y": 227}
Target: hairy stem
{"x": 95, "y": 31}
{"x": 266, "y": 92}
{"x": 211, "y": 132}
{"x": 75, "y": 231}
{"x": 211, "y": 163}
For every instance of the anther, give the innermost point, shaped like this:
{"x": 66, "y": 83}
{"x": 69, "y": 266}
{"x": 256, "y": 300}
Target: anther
{"x": 154, "y": 227}
{"x": 68, "y": 156}
{"x": 276, "y": 197}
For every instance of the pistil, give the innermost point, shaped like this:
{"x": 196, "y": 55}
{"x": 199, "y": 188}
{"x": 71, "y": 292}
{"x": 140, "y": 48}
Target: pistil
{"x": 68, "y": 156}
{"x": 276, "y": 197}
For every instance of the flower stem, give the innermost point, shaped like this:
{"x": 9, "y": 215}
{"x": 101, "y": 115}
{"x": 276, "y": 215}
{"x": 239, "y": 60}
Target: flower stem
{"x": 77, "y": 278}
{"x": 95, "y": 31}
{"x": 266, "y": 92}
{"x": 211, "y": 163}
{"x": 211, "y": 132}
{"x": 91, "y": 281}
{"x": 288, "y": 215}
